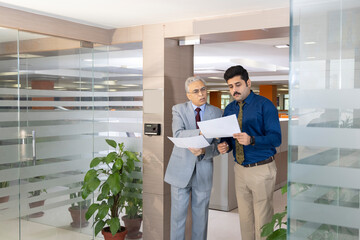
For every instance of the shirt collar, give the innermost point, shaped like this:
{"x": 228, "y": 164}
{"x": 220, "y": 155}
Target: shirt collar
{"x": 202, "y": 107}
{"x": 248, "y": 99}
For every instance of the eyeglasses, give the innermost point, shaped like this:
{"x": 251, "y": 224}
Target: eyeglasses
{"x": 196, "y": 91}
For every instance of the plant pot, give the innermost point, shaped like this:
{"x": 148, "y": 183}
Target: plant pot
{"x": 78, "y": 217}
{"x": 37, "y": 204}
{"x": 118, "y": 236}
{"x": 133, "y": 226}
{"x": 4, "y": 199}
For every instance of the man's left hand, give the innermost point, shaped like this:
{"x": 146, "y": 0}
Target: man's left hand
{"x": 197, "y": 151}
{"x": 243, "y": 138}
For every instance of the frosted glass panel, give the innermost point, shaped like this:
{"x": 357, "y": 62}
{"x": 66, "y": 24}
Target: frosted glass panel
{"x": 324, "y": 142}
{"x": 58, "y": 104}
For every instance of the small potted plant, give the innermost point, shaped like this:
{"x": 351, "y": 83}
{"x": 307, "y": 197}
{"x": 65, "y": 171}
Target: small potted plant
{"x": 114, "y": 171}
{"x": 4, "y": 199}
{"x": 36, "y": 193}
{"x": 133, "y": 207}
{"x": 78, "y": 211}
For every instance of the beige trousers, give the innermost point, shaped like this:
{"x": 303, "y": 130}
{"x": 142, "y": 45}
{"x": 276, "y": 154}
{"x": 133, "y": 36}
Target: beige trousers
{"x": 254, "y": 193}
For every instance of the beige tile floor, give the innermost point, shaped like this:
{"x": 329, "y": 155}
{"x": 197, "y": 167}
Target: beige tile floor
{"x": 222, "y": 225}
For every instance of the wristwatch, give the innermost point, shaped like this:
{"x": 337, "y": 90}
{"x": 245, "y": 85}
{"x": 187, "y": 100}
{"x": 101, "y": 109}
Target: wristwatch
{"x": 252, "y": 140}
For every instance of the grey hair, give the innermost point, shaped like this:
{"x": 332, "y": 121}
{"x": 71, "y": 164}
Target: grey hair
{"x": 191, "y": 80}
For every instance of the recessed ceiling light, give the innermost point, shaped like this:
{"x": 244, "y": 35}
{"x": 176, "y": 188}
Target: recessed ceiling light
{"x": 130, "y": 85}
{"x": 8, "y": 80}
{"x": 282, "y": 46}
{"x": 110, "y": 82}
{"x": 309, "y": 43}
{"x": 24, "y": 55}
{"x": 83, "y": 88}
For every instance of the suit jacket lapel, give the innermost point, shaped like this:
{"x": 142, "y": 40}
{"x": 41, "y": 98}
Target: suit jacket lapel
{"x": 190, "y": 114}
{"x": 208, "y": 114}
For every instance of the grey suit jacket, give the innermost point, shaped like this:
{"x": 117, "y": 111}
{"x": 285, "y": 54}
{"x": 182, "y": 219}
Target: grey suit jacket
{"x": 182, "y": 162}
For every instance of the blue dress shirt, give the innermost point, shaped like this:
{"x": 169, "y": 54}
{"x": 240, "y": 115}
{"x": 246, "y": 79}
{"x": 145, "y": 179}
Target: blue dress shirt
{"x": 261, "y": 120}
{"x": 202, "y": 107}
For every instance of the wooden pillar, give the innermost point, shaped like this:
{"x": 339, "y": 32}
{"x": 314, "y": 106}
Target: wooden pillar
{"x": 166, "y": 67}
{"x": 270, "y": 92}
{"x": 215, "y": 99}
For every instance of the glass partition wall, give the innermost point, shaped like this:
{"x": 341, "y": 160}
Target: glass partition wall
{"x": 59, "y": 101}
{"x": 324, "y": 126}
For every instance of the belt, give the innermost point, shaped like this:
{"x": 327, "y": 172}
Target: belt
{"x": 269, "y": 160}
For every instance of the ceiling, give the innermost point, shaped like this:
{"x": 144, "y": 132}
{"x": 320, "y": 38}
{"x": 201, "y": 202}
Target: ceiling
{"x": 125, "y": 13}
{"x": 266, "y": 64}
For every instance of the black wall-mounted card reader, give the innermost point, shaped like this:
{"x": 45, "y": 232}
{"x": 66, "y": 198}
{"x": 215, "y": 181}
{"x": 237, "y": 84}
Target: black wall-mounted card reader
{"x": 152, "y": 129}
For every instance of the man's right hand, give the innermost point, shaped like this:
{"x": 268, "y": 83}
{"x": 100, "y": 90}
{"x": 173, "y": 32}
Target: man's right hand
{"x": 223, "y": 147}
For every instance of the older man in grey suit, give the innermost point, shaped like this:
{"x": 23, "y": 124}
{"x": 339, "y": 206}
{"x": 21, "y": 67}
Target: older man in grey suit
{"x": 191, "y": 170}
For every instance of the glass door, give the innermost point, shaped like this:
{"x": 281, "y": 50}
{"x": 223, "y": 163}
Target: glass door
{"x": 9, "y": 135}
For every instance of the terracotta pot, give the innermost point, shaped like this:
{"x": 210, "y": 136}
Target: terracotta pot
{"x": 37, "y": 204}
{"x": 118, "y": 236}
{"x": 133, "y": 226}
{"x": 78, "y": 217}
{"x": 4, "y": 199}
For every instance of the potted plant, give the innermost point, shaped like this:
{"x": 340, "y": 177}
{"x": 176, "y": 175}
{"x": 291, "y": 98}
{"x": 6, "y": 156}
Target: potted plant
{"x": 114, "y": 170}
{"x": 133, "y": 207}
{"x": 4, "y": 199}
{"x": 78, "y": 210}
{"x": 36, "y": 193}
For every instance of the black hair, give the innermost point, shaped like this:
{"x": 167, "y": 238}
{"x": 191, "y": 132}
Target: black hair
{"x": 236, "y": 71}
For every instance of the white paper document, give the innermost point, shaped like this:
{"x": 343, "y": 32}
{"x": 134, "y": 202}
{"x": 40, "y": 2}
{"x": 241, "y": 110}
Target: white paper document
{"x": 193, "y": 142}
{"x": 220, "y": 127}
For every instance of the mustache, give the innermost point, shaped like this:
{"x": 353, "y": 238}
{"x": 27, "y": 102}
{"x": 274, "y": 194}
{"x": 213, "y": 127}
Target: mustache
{"x": 236, "y": 93}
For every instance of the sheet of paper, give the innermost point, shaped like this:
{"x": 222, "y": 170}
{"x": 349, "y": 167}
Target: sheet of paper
{"x": 220, "y": 127}
{"x": 193, "y": 142}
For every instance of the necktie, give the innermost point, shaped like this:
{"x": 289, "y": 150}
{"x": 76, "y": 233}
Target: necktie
{"x": 197, "y": 117}
{"x": 239, "y": 147}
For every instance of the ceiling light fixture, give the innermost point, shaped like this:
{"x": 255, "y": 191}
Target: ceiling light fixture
{"x": 282, "y": 46}
{"x": 309, "y": 43}
{"x": 190, "y": 40}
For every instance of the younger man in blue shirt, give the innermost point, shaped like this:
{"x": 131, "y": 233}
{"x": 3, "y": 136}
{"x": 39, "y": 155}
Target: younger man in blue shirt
{"x": 254, "y": 150}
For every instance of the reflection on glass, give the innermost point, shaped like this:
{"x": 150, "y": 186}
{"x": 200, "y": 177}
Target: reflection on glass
{"x": 324, "y": 150}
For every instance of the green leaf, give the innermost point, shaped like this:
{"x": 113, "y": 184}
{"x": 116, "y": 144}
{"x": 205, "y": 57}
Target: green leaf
{"x": 118, "y": 163}
{"x": 279, "y": 234}
{"x": 103, "y": 211}
{"x": 121, "y": 146}
{"x": 101, "y": 197}
{"x": 114, "y": 225}
{"x": 93, "y": 184}
{"x": 110, "y": 157}
{"x": 267, "y": 229}
{"x": 105, "y": 189}
{"x": 92, "y": 173}
{"x": 111, "y": 201}
{"x": 85, "y": 192}
{"x": 99, "y": 226}
{"x": 132, "y": 156}
{"x": 93, "y": 207}
{"x": 114, "y": 183}
{"x": 111, "y": 142}
{"x": 284, "y": 189}
{"x": 130, "y": 164}
{"x": 95, "y": 162}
